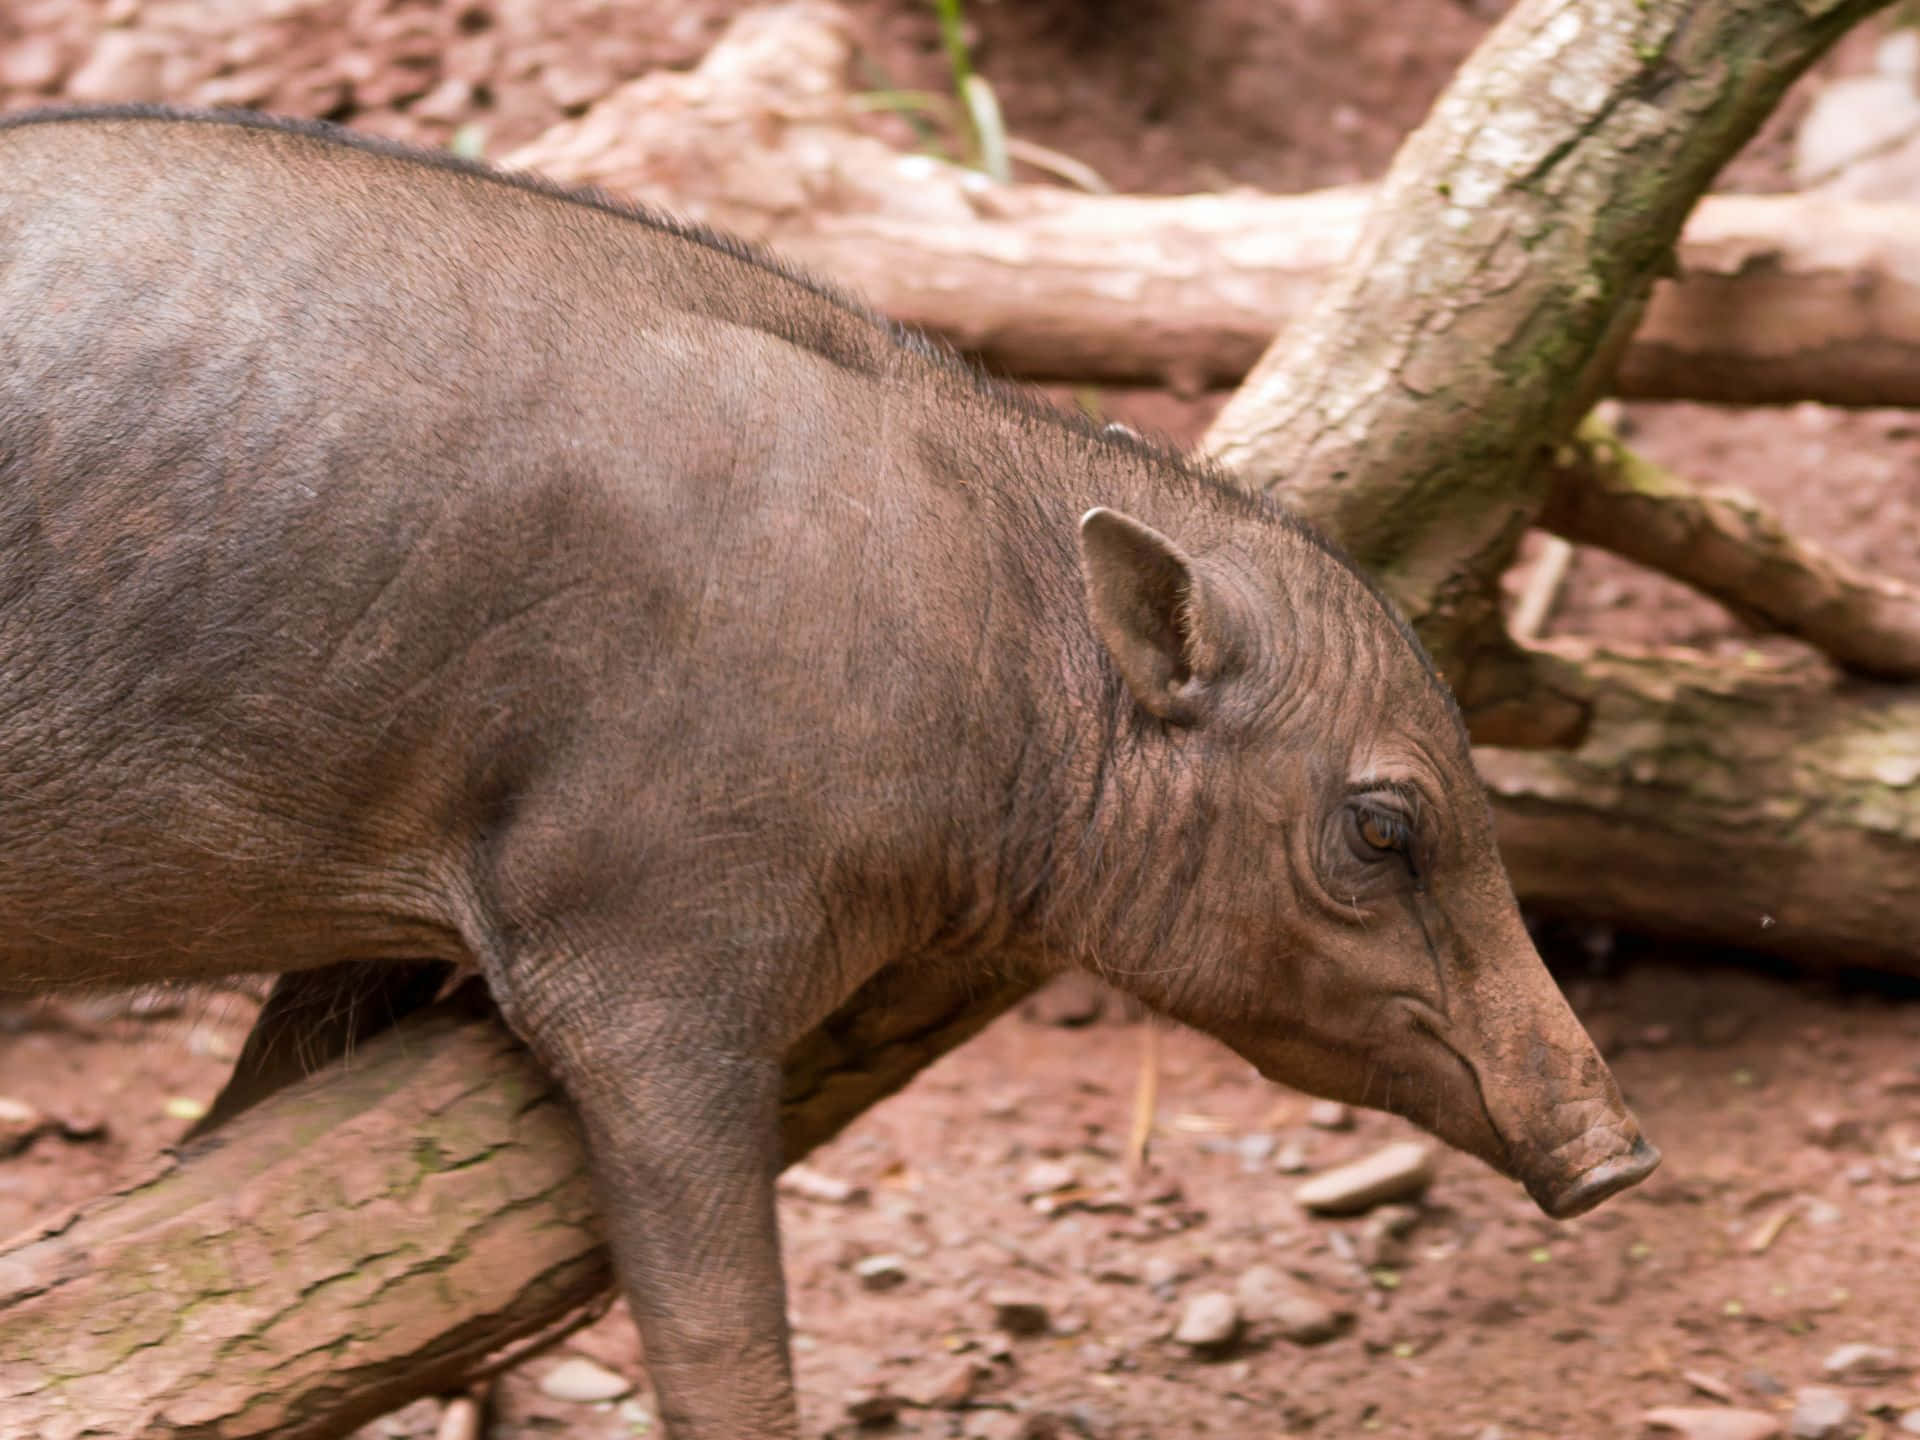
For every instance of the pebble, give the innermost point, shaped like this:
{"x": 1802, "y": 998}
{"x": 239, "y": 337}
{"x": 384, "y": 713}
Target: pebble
{"x": 1819, "y": 1413}
{"x": 952, "y": 1387}
{"x": 1400, "y": 1171}
{"x": 1255, "y": 1150}
{"x": 1831, "y": 1130}
{"x": 1330, "y": 1115}
{"x": 1302, "y": 1317}
{"x": 881, "y": 1272}
{"x": 19, "y": 1124}
{"x": 1864, "y": 1363}
{"x": 1162, "y": 1272}
{"x": 1701, "y": 1423}
{"x": 812, "y": 1184}
{"x": 1291, "y": 1159}
{"x": 1047, "y": 1176}
{"x": 1072, "y": 1000}
{"x": 1211, "y": 1321}
{"x": 872, "y": 1405}
{"x": 582, "y": 1382}
{"x": 1910, "y": 1422}
{"x": 1018, "y": 1313}
{"x": 1383, "y": 1239}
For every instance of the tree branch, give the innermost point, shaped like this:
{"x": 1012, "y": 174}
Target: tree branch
{"x": 1733, "y": 549}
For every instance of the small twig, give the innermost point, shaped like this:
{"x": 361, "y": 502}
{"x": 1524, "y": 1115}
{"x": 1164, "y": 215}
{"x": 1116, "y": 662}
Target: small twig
{"x": 1075, "y": 172}
{"x": 1542, "y": 589}
{"x": 1146, "y": 1098}
{"x": 465, "y": 1417}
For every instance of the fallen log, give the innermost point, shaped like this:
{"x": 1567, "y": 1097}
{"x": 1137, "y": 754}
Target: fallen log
{"x": 1752, "y": 805}
{"x": 381, "y": 1231}
{"x": 1774, "y": 299}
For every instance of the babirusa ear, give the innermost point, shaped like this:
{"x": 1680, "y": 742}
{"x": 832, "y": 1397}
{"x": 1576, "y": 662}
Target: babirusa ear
{"x": 1150, "y": 610}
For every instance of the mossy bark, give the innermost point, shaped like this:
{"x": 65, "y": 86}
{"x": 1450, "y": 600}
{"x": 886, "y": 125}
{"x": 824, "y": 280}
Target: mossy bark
{"x": 1506, "y": 262}
{"x": 377, "y": 1233}
{"x": 1752, "y": 805}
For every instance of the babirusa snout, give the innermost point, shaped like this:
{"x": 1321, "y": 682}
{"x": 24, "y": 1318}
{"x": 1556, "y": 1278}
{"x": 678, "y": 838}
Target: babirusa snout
{"x": 1569, "y": 1136}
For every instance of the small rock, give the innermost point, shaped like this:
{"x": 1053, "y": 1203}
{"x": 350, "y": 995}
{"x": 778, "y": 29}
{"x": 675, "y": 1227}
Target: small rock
{"x": 1265, "y": 1294}
{"x": 1819, "y": 1413}
{"x": 1831, "y": 1130}
{"x": 1862, "y": 1363}
{"x": 1072, "y": 1000}
{"x": 1760, "y": 1382}
{"x": 1018, "y": 1313}
{"x": 1400, "y": 1171}
{"x": 1330, "y": 1115}
{"x": 1047, "y": 1176}
{"x": 1383, "y": 1239}
{"x": 1656, "y": 1036}
{"x": 1162, "y": 1272}
{"x": 881, "y": 1272}
{"x": 1049, "y": 1425}
{"x": 952, "y": 1387}
{"x": 1254, "y": 1151}
{"x": 1210, "y": 1322}
{"x": 1097, "y": 1357}
{"x": 582, "y": 1382}
{"x": 812, "y": 1184}
{"x": 1002, "y": 1105}
{"x": 1291, "y": 1159}
{"x": 872, "y": 1405}
{"x": 20, "y": 1123}
{"x": 1707, "y": 1384}
{"x": 1910, "y": 1422}
{"x": 82, "y": 1122}
{"x": 1700, "y": 1423}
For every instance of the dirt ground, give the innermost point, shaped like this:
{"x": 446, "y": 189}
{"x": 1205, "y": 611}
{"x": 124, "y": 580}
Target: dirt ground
{"x": 1786, "y": 1221}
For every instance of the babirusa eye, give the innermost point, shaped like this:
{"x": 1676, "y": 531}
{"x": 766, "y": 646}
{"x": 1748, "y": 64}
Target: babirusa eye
{"x": 1382, "y": 832}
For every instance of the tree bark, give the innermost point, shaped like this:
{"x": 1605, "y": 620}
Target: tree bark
{"x": 1756, "y": 806}
{"x": 1506, "y": 263}
{"x": 1726, "y": 545}
{"x": 377, "y": 1233}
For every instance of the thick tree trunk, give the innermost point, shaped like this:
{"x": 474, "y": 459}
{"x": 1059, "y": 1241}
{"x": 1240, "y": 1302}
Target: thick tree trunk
{"x": 1505, "y": 265}
{"x": 377, "y": 1233}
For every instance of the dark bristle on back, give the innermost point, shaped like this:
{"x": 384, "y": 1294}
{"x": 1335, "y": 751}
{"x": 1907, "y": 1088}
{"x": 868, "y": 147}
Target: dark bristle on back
{"x": 1027, "y": 403}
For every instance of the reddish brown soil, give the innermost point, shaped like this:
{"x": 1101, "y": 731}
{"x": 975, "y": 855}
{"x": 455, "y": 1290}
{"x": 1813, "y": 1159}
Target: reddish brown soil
{"x": 1495, "y": 1321}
